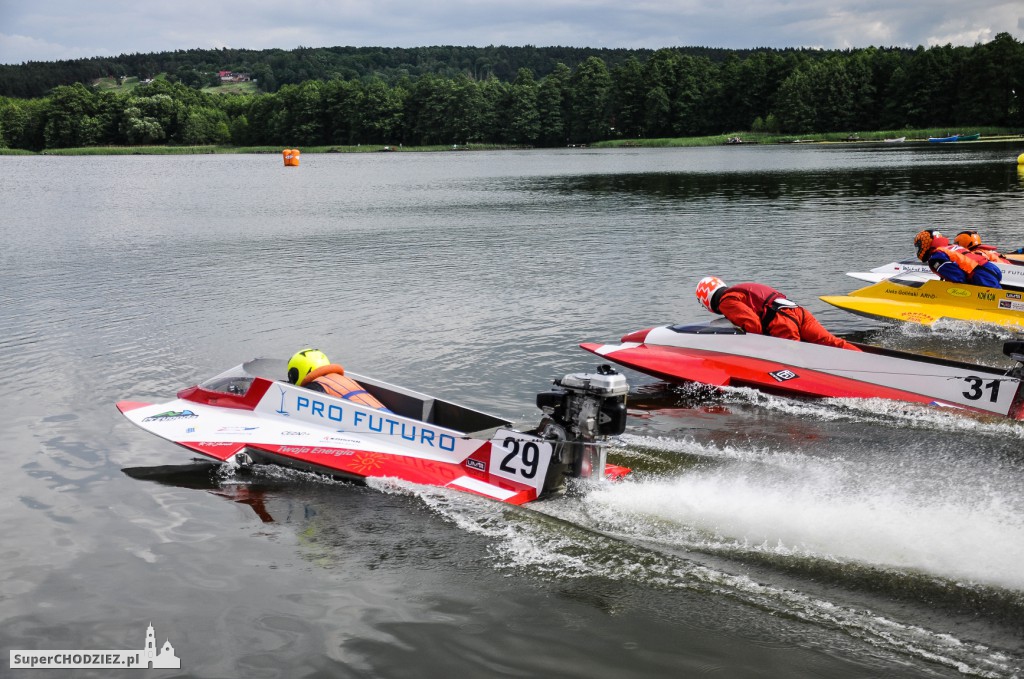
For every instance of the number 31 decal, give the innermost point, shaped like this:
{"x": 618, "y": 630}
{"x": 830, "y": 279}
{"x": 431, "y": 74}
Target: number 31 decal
{"x": 520, "y": 458}
{"x": 978, "y": 386}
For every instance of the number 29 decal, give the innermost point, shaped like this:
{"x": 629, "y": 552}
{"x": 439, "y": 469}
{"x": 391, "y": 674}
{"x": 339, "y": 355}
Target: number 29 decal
{"x": 520, "y": 458}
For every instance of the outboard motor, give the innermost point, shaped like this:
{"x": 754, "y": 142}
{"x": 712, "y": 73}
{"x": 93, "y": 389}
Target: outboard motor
{"x": 580, "y": 412}
{"x": 1015, "y": 350}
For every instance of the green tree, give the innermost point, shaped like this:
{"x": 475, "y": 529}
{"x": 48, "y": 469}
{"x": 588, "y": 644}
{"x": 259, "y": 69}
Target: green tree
{"x": 69, "y": 119}
{"x": 137, "y": 128}
{"x": 590, "y": 93}
{"x": 303, "y": 114}
{"x": 695, "y": 89}
{"x": 992, "y": 94}
{"x": 523, "y": 117}
{"x": 380, "y": 119}
{"x": 552, "y": 103}
{"x": 628, "y": 98}
{"x": 238, "y": 130}
{"x": 795, "y": 108}
{"x": 930, "y": 88}
{"x": 205, "y": 125}
{"x": 661, "y": 78}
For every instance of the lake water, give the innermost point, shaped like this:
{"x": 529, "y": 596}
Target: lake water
{"x": 759, "y": 536}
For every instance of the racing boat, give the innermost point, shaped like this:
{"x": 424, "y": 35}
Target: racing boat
{"x": 924, "y": 299}
{"x": 720, "y": 354}
{"x": 245, "y": 416}
{"x": 1013, "y": 274}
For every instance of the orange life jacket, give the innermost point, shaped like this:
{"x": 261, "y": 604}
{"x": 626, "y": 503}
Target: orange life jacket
{"x": 335, "y": 383}
{"x": 963, "y": 258}
{"x": 989, "y": 253}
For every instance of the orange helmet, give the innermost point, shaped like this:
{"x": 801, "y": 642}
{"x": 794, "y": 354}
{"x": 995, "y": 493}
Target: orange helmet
{"x": 968, "y": 239}
{"x": 925, "y": 240}
{"x": 706, "y": 289}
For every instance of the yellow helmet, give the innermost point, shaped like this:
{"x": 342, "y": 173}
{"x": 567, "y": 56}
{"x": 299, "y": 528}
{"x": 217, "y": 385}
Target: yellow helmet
{"x": 305, "y": 362}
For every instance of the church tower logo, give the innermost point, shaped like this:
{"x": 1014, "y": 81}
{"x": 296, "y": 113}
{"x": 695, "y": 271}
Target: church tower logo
{"x": 165, "y": 658}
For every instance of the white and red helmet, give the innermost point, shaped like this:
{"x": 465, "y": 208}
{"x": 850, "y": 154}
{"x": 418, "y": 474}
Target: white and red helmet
{"x": 706, "y": 289}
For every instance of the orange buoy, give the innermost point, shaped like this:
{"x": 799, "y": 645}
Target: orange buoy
{"x": 291, "y": 157}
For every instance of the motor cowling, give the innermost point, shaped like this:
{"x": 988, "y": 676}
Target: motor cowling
{"x": 580, "y": 412}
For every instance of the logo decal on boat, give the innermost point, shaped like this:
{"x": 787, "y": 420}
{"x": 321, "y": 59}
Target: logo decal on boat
{"x": 367, "y": 462}
{"x": 479, "y": 465}
{"x": 958, "y": 292}
{"x": 783, "y": 375}
{"x": 280, "y": 409}
{"x": 171, "y": 415}
{"x": 1012, "y": 295}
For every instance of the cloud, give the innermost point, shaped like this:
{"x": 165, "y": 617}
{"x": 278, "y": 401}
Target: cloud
{"x": 62, "y": 29}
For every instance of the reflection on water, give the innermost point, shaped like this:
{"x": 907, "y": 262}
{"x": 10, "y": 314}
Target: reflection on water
{"x": 828, "y": 538}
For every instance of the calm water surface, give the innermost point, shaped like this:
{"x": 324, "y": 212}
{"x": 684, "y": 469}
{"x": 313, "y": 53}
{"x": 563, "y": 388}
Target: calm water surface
{"x": 759, "y": 537}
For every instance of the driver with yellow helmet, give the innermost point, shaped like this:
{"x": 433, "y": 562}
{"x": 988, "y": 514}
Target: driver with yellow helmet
{"x": 312, "y": 369}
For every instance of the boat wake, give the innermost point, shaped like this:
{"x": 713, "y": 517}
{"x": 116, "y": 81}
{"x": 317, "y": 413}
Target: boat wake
{"x": 654, "y": 534}
{"x": 835, "y": 510}
{"x": 823, "y": 541}
{"x": 876, "y": 411}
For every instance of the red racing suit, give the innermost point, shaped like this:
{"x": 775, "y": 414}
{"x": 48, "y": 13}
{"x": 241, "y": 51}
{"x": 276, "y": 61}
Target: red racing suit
{"x": 762, "y": 310}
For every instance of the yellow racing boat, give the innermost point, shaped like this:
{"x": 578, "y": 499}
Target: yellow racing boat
{"x": 916, "y": 298}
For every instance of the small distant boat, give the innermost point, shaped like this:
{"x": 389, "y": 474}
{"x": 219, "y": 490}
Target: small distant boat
{"x": 956, "y": 137}
{"x": 897, "y": 140}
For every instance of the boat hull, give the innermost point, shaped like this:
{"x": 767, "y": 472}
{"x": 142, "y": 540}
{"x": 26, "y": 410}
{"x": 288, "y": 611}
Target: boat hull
{"x": 720, "y": 357}
{"x": 1013, "y": 273}
{"x": 925, "y": 301}
{"x": 243, "y": 416}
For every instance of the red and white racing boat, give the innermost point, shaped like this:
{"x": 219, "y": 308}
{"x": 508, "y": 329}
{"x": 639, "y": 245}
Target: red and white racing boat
{"x": 720, "y": 354}
{"x": 246, "y": 416}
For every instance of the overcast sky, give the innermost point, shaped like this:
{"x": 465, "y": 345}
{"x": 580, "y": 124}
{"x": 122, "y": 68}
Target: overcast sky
{"x": 46, "y": 30}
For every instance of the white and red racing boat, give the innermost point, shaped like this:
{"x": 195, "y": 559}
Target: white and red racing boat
{"x": 719, "y": 354}
{"x": 1013, "y": 274}
{"x": 245, "y": 416}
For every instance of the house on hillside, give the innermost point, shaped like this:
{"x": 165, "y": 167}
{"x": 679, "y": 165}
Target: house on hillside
{"x": 232, "y": 77}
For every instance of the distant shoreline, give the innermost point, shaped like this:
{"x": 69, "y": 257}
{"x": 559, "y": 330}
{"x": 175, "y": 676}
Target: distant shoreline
{"x": 735, "y": 139}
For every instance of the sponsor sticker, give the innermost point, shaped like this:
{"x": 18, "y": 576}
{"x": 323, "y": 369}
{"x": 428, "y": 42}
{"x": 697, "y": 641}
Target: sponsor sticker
{"x": 478, "y": 465}
{"x": 171, "y": 416}
{"x": 958, "y": 292}
{"x": 783, "y": 375}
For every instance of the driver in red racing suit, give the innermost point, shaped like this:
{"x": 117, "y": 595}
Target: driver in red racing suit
{"x": 763, "y": 310}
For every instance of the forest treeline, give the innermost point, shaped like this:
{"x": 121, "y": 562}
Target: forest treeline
{"x": 517, "y": 96}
